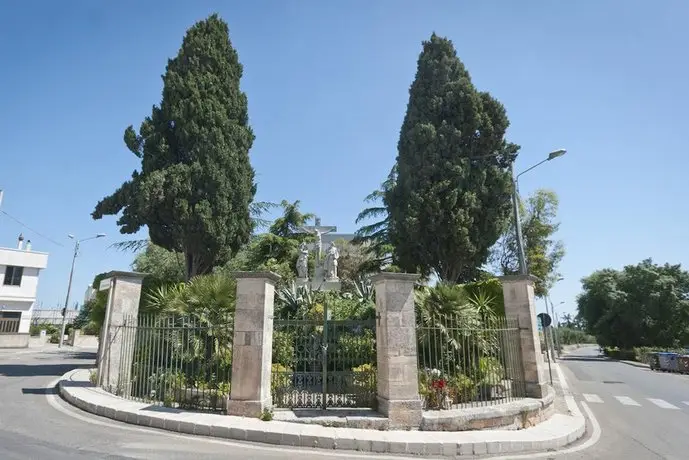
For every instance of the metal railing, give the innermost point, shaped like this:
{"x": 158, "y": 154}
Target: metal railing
{"x": 322, "y": 363}
{"x": 462, "y": 366}
{"x": 9, "y": 325}
{"x": 177, "y": 361}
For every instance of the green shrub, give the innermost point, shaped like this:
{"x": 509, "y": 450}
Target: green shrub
{"x": 461, "y": 389}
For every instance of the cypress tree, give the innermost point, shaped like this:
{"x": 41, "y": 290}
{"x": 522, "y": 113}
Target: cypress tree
{"x": 196, "y": 185}
{"x": 450, "y": 202}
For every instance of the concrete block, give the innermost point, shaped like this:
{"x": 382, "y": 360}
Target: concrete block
{"x": 255, "y": 435}
{"x": 202, "y": 429}
{"x": 363, "y": 445}
{"x": 143, "y": 419}
{"x": 171, "y": 424}
{"x": 380, "y": 446}
{"x": 238, "y": 433}
{"x": 220, "y": 431}
{"x": 186, "y": 427}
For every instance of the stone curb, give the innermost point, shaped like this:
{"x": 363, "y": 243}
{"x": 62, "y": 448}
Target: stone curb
{"x": 554, "y": 433}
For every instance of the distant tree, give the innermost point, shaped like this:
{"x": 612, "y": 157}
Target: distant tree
{"x": 642, "y": 305}
{"x": 196, "y": 184}
{"x": 543, "y": 253}
{"x": 451, "y": 197}
{"x": 276, "y": 250}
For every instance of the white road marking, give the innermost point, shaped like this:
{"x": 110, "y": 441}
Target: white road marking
{"x": 627, "y": 401}
{"x": 662, "y": 403}
{"x": 685, "y": 402}
{"x": 592, "y": 398}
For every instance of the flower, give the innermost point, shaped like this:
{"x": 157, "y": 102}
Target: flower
{"x": 439, "y": 384}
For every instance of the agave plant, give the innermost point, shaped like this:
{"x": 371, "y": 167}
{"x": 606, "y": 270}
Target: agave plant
{"x": 293, "y": 299}
{"x": 364, "y": 289}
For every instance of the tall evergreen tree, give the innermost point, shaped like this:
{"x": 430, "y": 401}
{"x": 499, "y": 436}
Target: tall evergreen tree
{"x": 196, "y": 184}
{"x": 452, "y": 194}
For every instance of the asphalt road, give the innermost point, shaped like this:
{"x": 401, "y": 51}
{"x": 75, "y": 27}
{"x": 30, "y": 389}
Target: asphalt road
{"x": 37, "y": 424}
{"x": 642, "y": 414}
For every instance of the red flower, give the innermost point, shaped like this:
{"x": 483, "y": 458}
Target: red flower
{"x": 438, "y": 384}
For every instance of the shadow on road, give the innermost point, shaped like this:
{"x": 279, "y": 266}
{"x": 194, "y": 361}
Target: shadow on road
{"x": 40, "y": 391}
{"x": 584, "y": 358}
{"x": 35, "y": 370}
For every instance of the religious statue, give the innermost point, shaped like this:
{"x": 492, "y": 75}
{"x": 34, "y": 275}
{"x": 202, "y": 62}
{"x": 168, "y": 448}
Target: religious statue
{"x": 318, "y": 231}
{"x": 303, "y": 262}
{"x": 330, "y": 263}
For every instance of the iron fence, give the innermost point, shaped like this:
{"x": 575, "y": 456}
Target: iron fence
{"x": 178, "y": 361}
{"x": 469, "y": 363}
{"x": 320, "y": 362}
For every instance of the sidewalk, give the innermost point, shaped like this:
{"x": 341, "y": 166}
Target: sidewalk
{"x": 554, "y": 433}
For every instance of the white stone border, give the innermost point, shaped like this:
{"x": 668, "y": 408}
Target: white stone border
{"x": 554, "y": 433}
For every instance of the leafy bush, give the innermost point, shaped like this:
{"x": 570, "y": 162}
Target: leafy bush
{"x": 50, "y": 329}
{"x": 364, "y": 376}
{"x": 570, "y": 336}
{"x": 281, "y": 380}
{"x": 461, "y": 389}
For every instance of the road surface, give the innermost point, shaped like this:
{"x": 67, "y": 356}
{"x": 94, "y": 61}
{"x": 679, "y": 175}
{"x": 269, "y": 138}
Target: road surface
{"x": 643, "y": 415}
{"x": 36, "y": 424}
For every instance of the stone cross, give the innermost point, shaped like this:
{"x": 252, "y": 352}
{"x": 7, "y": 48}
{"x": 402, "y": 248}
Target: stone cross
{"x": 318, "y": 231}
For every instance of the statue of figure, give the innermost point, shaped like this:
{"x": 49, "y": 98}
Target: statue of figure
{"x": 330, "y": 264}
{"x": 303, "y": 262}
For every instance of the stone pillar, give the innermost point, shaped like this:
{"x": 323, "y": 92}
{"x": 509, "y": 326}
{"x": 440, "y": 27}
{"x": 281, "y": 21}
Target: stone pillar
{"x": 116, "y": 345}
{"x": 252, "y": 347}
{"x": 74, "y": 335}
{"x": 397, "y": 360}
{"x": 518, "y": 291}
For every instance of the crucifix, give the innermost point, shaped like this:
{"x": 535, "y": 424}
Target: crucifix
{"x": 318, "y": 231}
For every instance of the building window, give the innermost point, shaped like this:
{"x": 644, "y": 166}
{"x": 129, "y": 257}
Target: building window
{"x": 9, "y": 322}
{"x": 13, "y": 276}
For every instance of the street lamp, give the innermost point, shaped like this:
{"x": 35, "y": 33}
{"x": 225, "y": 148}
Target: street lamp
{"x": 523, "y": 270}
{"x": 69, "y": 285}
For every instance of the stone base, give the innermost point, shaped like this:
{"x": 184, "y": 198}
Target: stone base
{"x": 536, "y": 390}
{"x": 14, "y": 340}
{"x": 247, "y": 408}
{"x": 402, "y": 414}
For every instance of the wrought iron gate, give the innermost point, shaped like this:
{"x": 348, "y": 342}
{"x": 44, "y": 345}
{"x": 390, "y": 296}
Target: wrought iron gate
{"x": 320, "y": 362}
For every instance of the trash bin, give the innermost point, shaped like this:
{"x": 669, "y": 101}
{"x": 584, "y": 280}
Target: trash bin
{"x": 683, "y": 364}
{"x": 668, "y": 361}
{"x": 653, "y": 361}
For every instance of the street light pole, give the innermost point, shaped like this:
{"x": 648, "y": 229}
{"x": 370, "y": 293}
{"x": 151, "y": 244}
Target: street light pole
{"x": 69, "y": 285}
{"x": 517, "y": 223}
{"x": 523, "y": 269}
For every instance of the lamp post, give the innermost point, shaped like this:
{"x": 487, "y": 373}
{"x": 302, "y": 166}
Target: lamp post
{"x": 69, "y": 285}
{"x": 523, "y": 269}
{"x": 556, "y": 335}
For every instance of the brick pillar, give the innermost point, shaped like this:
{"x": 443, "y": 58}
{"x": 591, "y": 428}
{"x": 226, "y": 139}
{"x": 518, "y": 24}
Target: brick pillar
{"x": 116, "y": 348}
{"x": 518, "y": 291}
{"x": 397, "y": 365}
{"x": 252, "y": 348}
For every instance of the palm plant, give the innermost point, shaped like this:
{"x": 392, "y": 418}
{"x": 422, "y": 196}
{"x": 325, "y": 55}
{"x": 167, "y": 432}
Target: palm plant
{"x": 375, "y": 235}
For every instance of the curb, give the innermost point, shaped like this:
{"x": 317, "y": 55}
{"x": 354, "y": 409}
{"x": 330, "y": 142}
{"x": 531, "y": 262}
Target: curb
{"x": 551, "y": 434}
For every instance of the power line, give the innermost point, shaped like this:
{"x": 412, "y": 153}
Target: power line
{"x": 31, "y": 229}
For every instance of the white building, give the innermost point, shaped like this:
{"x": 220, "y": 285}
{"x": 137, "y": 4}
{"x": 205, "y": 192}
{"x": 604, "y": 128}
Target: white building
{"x": 19, "y": 271}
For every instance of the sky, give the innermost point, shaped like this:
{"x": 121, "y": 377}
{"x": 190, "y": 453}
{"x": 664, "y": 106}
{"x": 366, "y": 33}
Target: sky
{"x": 327, "y": 84}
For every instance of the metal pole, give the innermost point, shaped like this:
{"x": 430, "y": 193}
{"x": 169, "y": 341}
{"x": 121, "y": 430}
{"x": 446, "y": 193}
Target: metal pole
{"x": 552, "y": 318}
{"x": 69, "y": 288}
{"x": 518, "y": 224}
{"x": 557, "y": 324}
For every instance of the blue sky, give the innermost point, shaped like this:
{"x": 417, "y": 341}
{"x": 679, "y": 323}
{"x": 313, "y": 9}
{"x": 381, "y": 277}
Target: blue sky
{"x": 328, "y": 84}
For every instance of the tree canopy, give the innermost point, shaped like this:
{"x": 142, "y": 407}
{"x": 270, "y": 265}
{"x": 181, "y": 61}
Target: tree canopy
{"x": 543, "y": 252}
{"x": 196, "y": 184}
{"x": 641, "y": 305}
{"x": 451, "y": 196}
